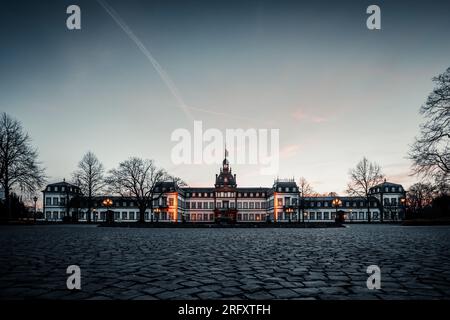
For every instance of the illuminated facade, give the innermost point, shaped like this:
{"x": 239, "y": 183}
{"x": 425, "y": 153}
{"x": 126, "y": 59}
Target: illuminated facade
{"x": 227, "y": 203}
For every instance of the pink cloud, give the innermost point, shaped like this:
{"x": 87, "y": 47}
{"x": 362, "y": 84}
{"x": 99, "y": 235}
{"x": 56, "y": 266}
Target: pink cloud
{"x": 289, "y": 150}
{"x": 301, "y": 115}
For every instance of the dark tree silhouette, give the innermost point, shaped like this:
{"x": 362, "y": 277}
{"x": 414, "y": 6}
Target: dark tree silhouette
{"x": 305, "y": 190}
{"x": 19, "y": 167}
{"x": 419, "y": 196}
{"x": 363, "y": 177}
{"x": 138, "y": 178}
{"x": 90, "y": 178}
{"x": 430, "y": 152}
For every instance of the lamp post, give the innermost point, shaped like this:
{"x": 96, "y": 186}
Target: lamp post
{"x": 35, "y": 199}
{"x": 157, "y": 211}
{"x": 289, "y": 212}
{"x": 336, "y": 203}
{"x": 403, "y": 202}
{"x": 108, "y": 203}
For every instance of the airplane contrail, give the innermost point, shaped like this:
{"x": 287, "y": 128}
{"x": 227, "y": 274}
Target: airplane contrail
{"x": 162, "y": 73}
{"x": 229, "y": 115}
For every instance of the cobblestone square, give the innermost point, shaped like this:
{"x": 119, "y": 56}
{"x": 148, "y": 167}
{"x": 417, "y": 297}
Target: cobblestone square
{"x": 244, "y": 263}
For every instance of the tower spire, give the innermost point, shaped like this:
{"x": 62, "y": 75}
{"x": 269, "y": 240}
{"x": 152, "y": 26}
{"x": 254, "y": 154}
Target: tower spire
{"x": 226, "y": 151}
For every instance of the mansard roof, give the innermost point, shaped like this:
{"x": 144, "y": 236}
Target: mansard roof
{"x": 252, "y": 189}
{"x": 166, "y": 186}
{"x": 61, "y": 184}
{"x": 388, "y": 184}
{"x": 197, "y": 189}
{"x": 290, "y": 183}
{"x": 397, "y": 187}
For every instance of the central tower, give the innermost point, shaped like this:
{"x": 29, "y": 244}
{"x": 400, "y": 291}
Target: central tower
{"x": 225, "y": 179}
{"x": 225, "y": 195}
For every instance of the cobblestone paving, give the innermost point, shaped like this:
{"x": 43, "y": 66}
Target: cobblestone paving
{"x": 122, "y": 263}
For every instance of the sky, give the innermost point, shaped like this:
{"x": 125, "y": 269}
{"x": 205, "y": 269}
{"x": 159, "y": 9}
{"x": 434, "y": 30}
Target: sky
{"x": 335, "y": 90}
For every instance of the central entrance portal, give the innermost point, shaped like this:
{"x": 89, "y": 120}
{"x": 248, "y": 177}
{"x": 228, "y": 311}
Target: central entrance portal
{"x": 225, "y": 215}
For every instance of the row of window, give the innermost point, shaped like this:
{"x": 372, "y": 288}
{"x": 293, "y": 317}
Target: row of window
{"x": 390, "y": 202}
{"x": 55, "y": 215}
{"x": 347, "y": 204}
{"x": 55, "y": 201}
{"x": 61, "y": 201}
{"x": 225, "y": 205}
{"x": 251, "y": 217}
{"x": 225, "y": 194}
{"x": 62, "y": 189}
{"x": 287, "y": 189}
{"x": 124, "y": 216}
{"x": 332, "y": 215}
{"x": 240, "y": 217}
{"x": 398, "y": 189}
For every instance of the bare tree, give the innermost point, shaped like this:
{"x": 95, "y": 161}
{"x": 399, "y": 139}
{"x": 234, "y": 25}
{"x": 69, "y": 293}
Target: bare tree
{"x": 332, "y": 194}
{"x": 89, "y": 176}
{"x": 363, "y": 177}
{"x": 138, "y": 178}
{"x": 420, "y": 195}
{"x": 19, "y": 167}
{"x": 430, "y": 152}
{"x": 305, "y": 190}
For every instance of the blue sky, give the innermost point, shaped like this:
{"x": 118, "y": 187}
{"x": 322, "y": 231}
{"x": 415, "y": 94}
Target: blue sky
{"x": 336, "y": 90}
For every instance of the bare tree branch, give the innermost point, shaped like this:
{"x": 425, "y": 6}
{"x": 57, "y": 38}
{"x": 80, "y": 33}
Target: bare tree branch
{"x": 19, "y": 167}
{"x": 430, "y": 152}
{"x": 139, "y": 178}
{"x": 90, "y": 178}
{"x": 363, "y": 177}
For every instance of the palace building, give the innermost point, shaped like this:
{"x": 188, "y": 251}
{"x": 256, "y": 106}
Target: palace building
{"x": 226, "y": 202}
